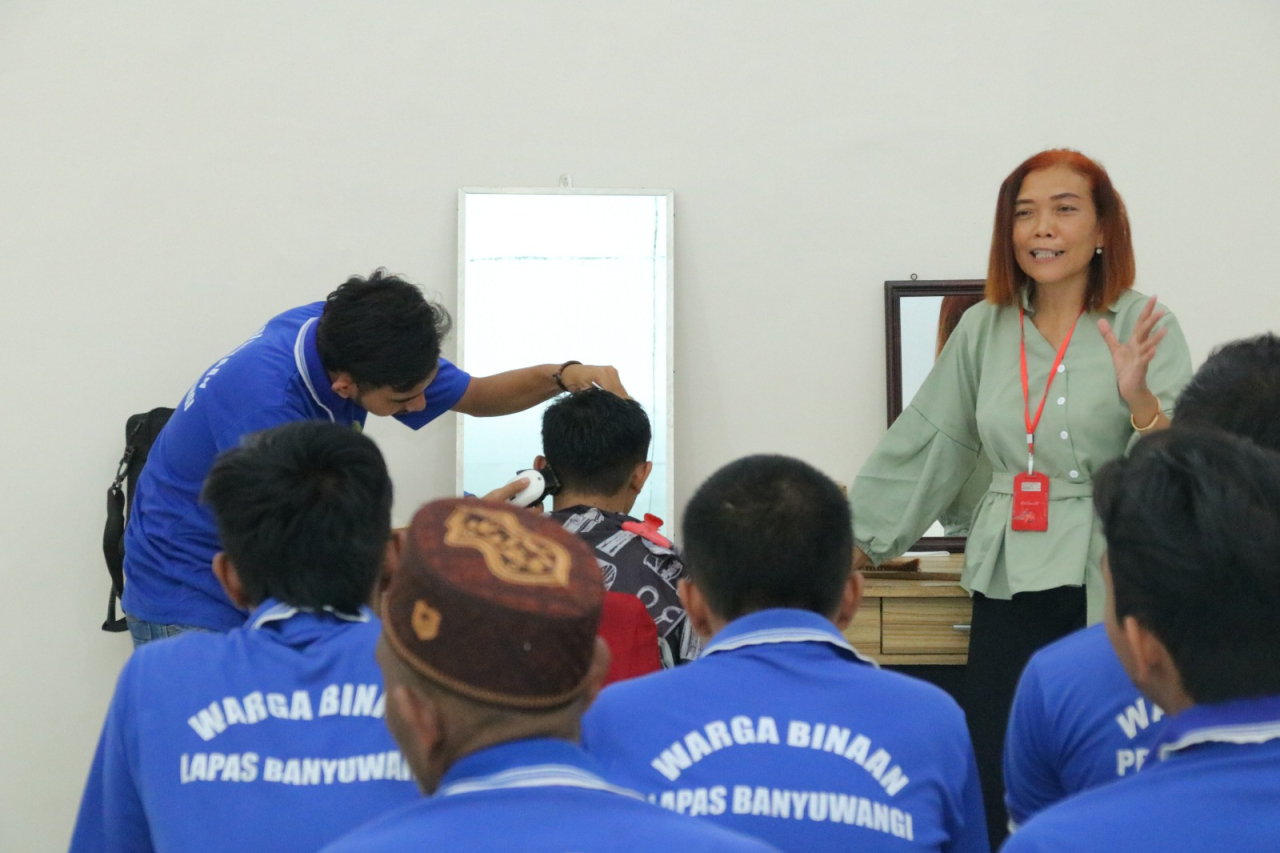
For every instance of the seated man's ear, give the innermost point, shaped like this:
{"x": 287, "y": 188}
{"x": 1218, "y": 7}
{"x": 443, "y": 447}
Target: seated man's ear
{"x": 850, "y": 598}
{"x": 640, "y": 476}
{"x": 226, "y": 573}
{"x": 539, "y": 462}
{"x": 695, "y": 605}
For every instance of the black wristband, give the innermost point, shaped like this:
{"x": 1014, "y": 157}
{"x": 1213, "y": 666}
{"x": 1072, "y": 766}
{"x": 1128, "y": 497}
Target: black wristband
{"x": 558, "y": 375}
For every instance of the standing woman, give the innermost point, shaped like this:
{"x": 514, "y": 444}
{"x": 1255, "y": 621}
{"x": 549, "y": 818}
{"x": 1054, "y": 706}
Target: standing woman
{"x": 1059, "y": 370}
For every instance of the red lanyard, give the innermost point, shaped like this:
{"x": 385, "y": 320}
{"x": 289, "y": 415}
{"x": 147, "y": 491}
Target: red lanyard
{"x": 1026, "y": 391}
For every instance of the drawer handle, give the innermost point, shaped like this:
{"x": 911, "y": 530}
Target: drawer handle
{"x": 962, "y": 628}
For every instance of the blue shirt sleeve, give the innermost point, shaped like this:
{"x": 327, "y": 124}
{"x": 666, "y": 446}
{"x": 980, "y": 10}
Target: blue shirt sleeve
{"x": 443, "y": 394}
{"x": 1031, "y": 773}
{"x": 112, "y": 817}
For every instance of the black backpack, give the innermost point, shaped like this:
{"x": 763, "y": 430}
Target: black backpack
{"x": 140, "y": 433}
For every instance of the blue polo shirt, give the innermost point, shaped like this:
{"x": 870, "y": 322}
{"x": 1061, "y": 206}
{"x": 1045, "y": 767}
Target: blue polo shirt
{"x": 273, "y": 378}
{"x": 269, "y": 737}
{"x": 783, "y": 731}
{"x": 537, "y": 795}
{"x": 1213, "y": 785}
{"x": 1077, "y": 723}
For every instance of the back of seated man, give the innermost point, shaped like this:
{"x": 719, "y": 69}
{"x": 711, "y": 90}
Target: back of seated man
{"x": 269, "y": 737}
{"x": 490, "y": 655}
{"x": 780, "y": 729}
{"x": 1078, "y": 721}
{"x": 1192, "y": 524}
{"x": 597, "y": 444}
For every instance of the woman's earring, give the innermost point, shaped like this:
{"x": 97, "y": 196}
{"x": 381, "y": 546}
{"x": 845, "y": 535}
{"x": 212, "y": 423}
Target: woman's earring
{"x": 1097, "y": 250}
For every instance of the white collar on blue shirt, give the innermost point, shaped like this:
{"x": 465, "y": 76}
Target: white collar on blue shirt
{"x": 535, "y": 776}
{"x": 780, "y": 625}
{"x": 280, "y": 611}
{"x": 1240, "y": 721}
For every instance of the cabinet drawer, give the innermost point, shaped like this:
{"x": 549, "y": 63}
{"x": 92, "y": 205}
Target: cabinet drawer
{"x": 864, "y": 631}
{"x": 925, "y": 625}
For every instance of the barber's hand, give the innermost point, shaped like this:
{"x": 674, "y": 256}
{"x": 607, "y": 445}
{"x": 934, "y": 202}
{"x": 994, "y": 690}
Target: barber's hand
{"x": 861, "y": 562}
{"x": 509, "y": 491}
{"x": 581, "y": 377}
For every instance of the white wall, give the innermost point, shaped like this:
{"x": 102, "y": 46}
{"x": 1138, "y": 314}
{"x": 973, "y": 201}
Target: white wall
{"x": 172, "y": 173}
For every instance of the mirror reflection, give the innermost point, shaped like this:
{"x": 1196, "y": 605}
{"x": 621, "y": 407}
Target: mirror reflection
{"x": 550, "y": 275}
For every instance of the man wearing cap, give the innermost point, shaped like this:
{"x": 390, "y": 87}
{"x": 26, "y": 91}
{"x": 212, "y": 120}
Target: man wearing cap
{"x": 372, "y": 347}
{"x": 489, "y": 655}
{"x": 1078, "y": 722}
{"x": 781, "y": 729}
{"x": 1192, "y": 524}
{"x": 269, "y": 737}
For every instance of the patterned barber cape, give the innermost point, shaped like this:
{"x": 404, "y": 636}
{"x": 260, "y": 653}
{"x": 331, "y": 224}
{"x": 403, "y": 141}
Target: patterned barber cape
{"x": 640, "y": 565}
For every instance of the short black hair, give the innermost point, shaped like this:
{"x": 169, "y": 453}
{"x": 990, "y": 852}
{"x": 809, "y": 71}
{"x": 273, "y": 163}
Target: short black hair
{"x": 594, "y": 439}
{"x": 382, "y": 331}
{"x": 769, "y": 531}
{"x": 1192, "y": 523}
{"x": 304, "y": 514}
{"x": 1237, "y": 389}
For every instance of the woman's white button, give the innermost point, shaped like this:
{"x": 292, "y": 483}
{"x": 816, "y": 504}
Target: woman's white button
{"x": 1062, "y": 401}
{"x": 1063, "y": 434}
{"x": 1074, "y": 474}
{"x": 1062, "y": 368}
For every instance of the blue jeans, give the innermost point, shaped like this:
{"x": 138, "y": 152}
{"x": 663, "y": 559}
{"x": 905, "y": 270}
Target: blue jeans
{"x": 144, "y": 632}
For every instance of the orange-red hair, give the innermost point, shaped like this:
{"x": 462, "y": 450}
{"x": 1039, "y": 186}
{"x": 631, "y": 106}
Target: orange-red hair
{"x": 1110, "y": 273}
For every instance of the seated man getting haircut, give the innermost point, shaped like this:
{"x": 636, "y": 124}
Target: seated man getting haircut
{"x": 597, "y": 444}
{"x": 1192, "y": 525}
{"x": 269, "y": 737}
{"x": 1077, "y": 720}
{"x": 490, "y": 655}
{"x": 780, "y": 729}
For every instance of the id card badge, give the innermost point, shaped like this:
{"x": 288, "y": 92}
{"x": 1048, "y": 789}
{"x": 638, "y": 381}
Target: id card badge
{"x": 1030, "y": 502}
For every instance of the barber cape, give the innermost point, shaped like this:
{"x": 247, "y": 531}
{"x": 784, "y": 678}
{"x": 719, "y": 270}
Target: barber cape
{"x": 537, "y": 795}
{"x": 270, "y": 737}
{"x": 783, "y": 731}
{"x": 1077, "y": 723}
{"x": 640, "y": 564}
{"x": 276, "y": 377}
{"x": 1212, "y": 785}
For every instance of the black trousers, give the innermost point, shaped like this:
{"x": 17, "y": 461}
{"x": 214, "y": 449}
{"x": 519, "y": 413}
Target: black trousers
{"x": 1003, "y": 637}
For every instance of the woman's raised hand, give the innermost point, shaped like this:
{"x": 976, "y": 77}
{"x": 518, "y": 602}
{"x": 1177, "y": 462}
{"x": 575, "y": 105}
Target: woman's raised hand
{"x": 1132, "y": 357}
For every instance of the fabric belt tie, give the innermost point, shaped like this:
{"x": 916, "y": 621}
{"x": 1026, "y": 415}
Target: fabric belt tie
{"x": 1002, "y": 484}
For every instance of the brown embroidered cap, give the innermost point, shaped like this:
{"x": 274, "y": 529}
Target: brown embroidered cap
{"x": 495, "y": 603}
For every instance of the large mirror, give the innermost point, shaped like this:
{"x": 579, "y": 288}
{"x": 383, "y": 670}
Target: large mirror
{"x": 919, "y": 317}
{"x": 546, "y": 275}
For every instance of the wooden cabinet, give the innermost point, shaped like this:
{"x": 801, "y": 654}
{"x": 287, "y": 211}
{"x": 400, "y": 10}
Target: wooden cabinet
{"x": 924, "y": 620}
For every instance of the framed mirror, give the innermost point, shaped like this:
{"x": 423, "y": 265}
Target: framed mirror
{"x": 546, "y": 275}
{"x": 919, "y": 317}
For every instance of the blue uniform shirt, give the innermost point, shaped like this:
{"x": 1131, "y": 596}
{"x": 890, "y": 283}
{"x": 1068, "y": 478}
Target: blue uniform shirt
{"x": 1077, "y": 723}
{"x": 273, "y": 378}
{"x": 537, "y": 795}
{"x": 782, "y": 731}
{"x": 270, "y": 737}
{"x": 1215, "y": 787}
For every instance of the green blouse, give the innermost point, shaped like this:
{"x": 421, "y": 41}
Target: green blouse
{"x": 970, "y": 408}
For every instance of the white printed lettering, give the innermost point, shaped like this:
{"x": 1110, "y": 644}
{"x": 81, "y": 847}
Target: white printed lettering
{"x": 798, "y": 734}
{"x": 742, "y": 731}
{"x": 255, "y": 708}
{"x": 717, "y": 800}
{"x": 329, "y": 701}
{"x": 300, "y": 709}
{"x": 208, "y": 722}
{"x": 277, "y": 706}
